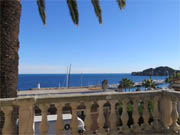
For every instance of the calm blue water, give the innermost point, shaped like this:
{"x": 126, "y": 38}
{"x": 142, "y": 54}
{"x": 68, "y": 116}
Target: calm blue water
{"x": 27, "y": 81}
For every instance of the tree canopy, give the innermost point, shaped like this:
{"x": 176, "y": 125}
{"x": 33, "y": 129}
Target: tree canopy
{"x": 149, "y": 83}
{"x": 126, "y": 83}
{"x": 170, "y": 79}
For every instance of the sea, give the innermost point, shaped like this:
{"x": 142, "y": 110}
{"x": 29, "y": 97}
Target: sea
{"x": 29, "y": 81}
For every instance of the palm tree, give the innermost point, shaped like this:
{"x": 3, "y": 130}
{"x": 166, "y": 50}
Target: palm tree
{"x": 138, "y": 89}
{"x": 123, "y": 84}
{"x": 10, "y": 12}
{"x": 126, "y": 83}
{"x": 130, "y": 84}
{"x": 149, "y": 83}
{"x": 9, "y": 29}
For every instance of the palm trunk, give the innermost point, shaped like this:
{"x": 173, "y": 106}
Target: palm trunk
{"x": 9, "y": 44}
{"x": 10, "y": 11}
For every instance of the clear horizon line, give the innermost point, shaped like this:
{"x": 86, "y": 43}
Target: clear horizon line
{"x": 73, "y": 73}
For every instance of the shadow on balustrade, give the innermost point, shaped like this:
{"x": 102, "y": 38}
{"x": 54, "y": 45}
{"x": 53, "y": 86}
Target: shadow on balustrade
{"x": 1, "y": 121}
{"x": 130, "y": 111}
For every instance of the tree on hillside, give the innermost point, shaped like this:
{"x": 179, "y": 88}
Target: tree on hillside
{"x": 10, "y": 12}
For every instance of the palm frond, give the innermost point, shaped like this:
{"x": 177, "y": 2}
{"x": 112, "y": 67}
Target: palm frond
{"x": 73, "y": 9}
{"x": 121, "y": 4}
{"x": 97, "y": 9}
{"x": 41, "y": 7}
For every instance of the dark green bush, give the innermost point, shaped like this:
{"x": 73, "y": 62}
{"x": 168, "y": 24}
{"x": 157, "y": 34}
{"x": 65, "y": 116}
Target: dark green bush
{"x": 140, "y": 110}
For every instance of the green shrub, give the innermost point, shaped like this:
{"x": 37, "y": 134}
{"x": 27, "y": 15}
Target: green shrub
{"x": 140, "y": 110}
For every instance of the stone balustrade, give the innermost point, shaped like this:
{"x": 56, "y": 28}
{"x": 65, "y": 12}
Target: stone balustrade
{"x": 105, "y": 113}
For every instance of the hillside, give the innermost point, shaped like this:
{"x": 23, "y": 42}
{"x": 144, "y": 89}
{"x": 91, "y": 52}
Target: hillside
{"x": 159, "y": 71}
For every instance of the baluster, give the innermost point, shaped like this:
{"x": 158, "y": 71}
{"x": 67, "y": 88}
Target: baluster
{"x": 135, "y": 116}
{"x": 146, "y": 116}
{"x": 124, "y": 116}
{"x": 26, "y": 116}
{"x": 113, "y": 117}
{"x": 44, "y": 121}
{"x": 74, "y": 122}
{"x": 118, "y": 116}
{"x": 156, "y": 124}
{"x": 8, "y": 128}
{"x": 59, "y": 121}
{"x": 88, "y": 119}
{"x": 101, "y": 119}
{"x": 174, "y": 115}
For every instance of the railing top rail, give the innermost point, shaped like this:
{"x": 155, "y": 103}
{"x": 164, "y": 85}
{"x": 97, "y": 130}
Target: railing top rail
{"x": 172, "y": 93}
{"x": 90, "y": 97}
{"x": 79, "y": 97}
{"x": 97, "y": 96}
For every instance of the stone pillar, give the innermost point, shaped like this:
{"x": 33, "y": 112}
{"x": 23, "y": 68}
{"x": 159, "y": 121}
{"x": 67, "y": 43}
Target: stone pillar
{"x": 59, "y": 121}
{"x": 146, "y": 115}
{"x": 44, "y": 121}
{"x": 124, "y": 116}
{"x": 135, "y": 116}
{"x": 101, "y": 119}
{"x": 174, "y": 115}
{"x": 113, "y": 117}
{"x": 88, "y": 119}
{"x": 156, "y": 124}
{"x": 8, "y": 128}
{"x": 26, "y": 116}
{"x": 74, "y": 122}
{"x": 165, "y": 110}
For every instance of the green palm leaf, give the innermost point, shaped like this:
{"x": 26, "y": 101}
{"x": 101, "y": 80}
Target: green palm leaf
{"x": 72, "y": 5}
{"x": 121, "y": 4}
{"x": 73, "y": 9}
{"x": 41, "y": 7}
{"x": 97, "y": 9}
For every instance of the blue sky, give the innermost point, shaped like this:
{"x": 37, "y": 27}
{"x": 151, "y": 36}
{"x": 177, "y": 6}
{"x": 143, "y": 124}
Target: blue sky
{"x": 145, "y": 34}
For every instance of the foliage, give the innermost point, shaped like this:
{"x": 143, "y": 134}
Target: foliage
{"x": 130, "y": 84}
{"x": 126, "y": 83}
{"x": 149, "y": 83}
{"x": 97, "y": 9}
{"x": 177, "y": 75}
{"x": 73, "y": 9}
{"x": 41, "y": 7}
{"x": 172, "y": 78}
{"x": 169, "y": 79}
{"x": 140, "y": 110}
{"x": 72, "y": 5}
{"x": 121, "y": 3}
{"x": 138, "y": 89}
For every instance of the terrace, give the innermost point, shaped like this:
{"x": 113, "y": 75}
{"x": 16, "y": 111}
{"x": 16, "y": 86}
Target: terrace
{"x": 102, "y": 115}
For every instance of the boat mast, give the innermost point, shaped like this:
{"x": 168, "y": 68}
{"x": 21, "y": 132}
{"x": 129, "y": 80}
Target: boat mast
{"x": 81, "y": 79}
{"x": 67, "y": 78}
{"x": 69, "y": 75}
